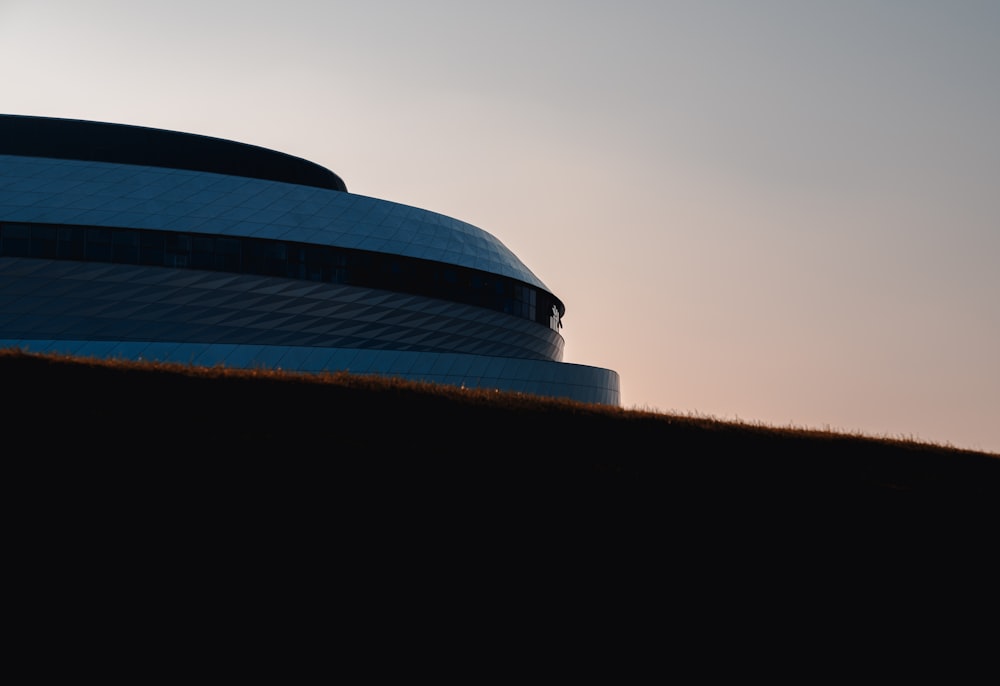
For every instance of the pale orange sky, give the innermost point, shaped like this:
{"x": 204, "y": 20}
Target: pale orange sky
{"x": 783, "y": 212}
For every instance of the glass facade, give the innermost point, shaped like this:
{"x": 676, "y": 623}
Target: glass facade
{"x": 287, "y": 259}
{"x": 120, "y": 241}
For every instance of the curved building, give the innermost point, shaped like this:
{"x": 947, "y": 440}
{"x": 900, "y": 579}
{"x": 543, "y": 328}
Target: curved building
{"x": 130, "y": 242}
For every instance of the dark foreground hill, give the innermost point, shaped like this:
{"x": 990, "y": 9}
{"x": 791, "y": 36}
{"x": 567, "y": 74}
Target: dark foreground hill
{"x": 267, "y": 429}
{"x": 153, "y": 450}
{"x": 249, "y": 507}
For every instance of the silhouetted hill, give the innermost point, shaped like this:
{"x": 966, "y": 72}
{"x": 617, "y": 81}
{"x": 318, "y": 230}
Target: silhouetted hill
{"x": 238, "y": 506}
{"x": 215, "y": 421}
{"x": 281, "y": 448}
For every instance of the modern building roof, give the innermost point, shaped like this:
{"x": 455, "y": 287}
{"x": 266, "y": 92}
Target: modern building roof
{"x": 127, "y": 241}
{"x": 74, "y": 139}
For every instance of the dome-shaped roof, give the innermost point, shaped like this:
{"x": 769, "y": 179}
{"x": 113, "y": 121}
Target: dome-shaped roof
{"x": 77, "y": 139}
{"x": 143, "y": 189}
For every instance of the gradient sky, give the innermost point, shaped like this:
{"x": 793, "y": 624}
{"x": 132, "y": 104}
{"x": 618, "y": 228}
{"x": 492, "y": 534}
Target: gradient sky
{"x": 779, "y": 211}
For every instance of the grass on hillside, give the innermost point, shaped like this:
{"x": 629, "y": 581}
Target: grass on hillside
{"x": 201, "y": 456}
{"x": 154, "y": 384}
{"x": 499, "y": 400}
{"x": 241, "y": 501}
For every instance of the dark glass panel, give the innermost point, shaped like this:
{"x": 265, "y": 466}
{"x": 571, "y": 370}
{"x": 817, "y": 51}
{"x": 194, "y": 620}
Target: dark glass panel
{"x": 98, "y": 245}
{"x": 274, "y": 249}
{"x": 227, "y": 262}
{"x": 16, "y": 231}
{"x": 44, "y": 242}
{"x": 152, "y": 239}
{"x": 16, "y": 240}
{"x": 151, "y": 247}
{"x": 125, "y": 237}
{"x": 318, "y": 260}
{"x": 177, "y": 250}
{"x": 280, "y": 258}
{"x": 203, "y": 244}
{"x": 95, "y": 235}
{"x": 202, "y": 252}
{"x": 178, "y": 243}
{"x": 227, "y": 246}
{"x": 72, "y": 240}
{"x": 316, "y": 254}
{"x": 201, "y": 260}
{"x": 125, "y": 247}
{"x": 151, "y": 256}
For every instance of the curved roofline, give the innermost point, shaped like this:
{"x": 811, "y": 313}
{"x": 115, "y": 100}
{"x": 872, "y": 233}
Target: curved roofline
{"x": 78, "y": 139}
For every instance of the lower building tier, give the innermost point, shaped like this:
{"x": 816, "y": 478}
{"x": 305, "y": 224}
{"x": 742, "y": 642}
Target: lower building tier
{"x": 536, "y": 377}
